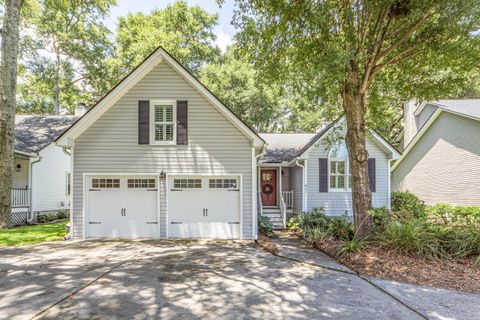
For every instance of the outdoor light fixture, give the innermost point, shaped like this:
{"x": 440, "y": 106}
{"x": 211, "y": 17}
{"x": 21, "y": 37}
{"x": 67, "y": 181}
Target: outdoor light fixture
{"x": 163, "y": 175}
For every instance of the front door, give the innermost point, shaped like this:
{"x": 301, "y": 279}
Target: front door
{"x": 268, "y": 184}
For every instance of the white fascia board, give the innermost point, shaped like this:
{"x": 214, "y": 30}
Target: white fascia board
{"x": 385, "y": 146}
{"x": 421, "y": 107}
{"x": 109, "y": 100}
{"x": 418, "y": 136}
{"x": 257, "y": 141}
{"x": 306, "y": 153}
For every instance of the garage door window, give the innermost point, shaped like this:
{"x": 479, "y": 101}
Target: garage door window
{"x": 141, "y": 183}
{"x": 222, "y": 183}
{"x": 187, "y": 183}
{"x": 105, "y": 183}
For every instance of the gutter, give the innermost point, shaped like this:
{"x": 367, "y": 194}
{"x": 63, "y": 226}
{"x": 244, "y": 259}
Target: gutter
{"x": 304, "y": 195}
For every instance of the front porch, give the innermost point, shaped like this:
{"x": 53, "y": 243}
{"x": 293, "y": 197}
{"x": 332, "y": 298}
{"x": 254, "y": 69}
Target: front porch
{"x": 20, "y": 191}
{"x": 276, "y": 194}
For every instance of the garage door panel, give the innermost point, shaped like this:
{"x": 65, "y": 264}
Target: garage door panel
{"x": 126, "y": 208}
{"x": 209, "y": 210}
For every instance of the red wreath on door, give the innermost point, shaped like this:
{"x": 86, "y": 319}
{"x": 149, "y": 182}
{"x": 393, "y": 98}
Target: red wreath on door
{"x": 267, "y": 189}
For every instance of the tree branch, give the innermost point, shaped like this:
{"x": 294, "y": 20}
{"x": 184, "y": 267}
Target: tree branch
{"x": 408, "y": 52}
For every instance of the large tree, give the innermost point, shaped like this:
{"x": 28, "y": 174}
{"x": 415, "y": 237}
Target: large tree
{"x": 65, "y": 50}
{"x": 8, "y": 86}
{"x": 185, "y": 31}
{"x": 349, "y": 45}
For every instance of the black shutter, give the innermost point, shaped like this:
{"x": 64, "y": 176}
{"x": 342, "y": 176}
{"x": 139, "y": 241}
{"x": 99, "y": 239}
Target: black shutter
{"x": 182, "y": 122}
{"x": 143, "y": 121}
{"x": 372, "y": 174}
{"x": 323, "y": 168}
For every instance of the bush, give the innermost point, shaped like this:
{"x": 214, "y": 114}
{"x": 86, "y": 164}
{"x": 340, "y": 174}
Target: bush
{"x": 454, "y": 215}
{"x": 379, "y": 216}
{"x": 265, "y": 225}
{"x": 293, "y": 224}
{"x": 62, "y": 215}
{"x": 458, "y": 242}
{"x": 340, "y": 228}
{"x": 352, "y": 245}
{"x": 315, "y": 235}
{"x": 407, "y": 201}
{"x": 314, "y": 219}
{"x": 44, "y": 218}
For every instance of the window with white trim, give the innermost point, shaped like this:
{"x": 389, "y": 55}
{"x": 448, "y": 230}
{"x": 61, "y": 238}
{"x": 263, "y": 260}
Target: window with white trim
{"x": 187, "y": 183}
{"x": 340, "y": 178}
{"x": 106, "y": 183}
{"x": 163, "y": 122}
{"x": 140, "y": 183}
{"x": 222, "y": 183}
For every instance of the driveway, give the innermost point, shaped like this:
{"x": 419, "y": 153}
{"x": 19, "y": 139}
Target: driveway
{"x": 182, "y": 280}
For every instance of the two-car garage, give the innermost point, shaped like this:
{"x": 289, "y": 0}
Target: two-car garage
{"x": 118, "y": 206}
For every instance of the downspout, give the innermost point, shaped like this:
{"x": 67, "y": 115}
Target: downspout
{"x": 68, "y": 236}
{"x": 304, "y": 177}
{"x": 30, "y": 183}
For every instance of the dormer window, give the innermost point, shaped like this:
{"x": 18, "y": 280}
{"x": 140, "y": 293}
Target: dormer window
{"x": 163, "y": 126}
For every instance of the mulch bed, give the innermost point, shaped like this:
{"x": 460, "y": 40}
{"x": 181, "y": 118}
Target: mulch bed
{"x": 267, "y": 244}
{"x": 461, "y": 275}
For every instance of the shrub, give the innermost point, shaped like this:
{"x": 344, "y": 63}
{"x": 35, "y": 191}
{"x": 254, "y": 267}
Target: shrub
{"x": 340, "y": 228}
{"x": 379, "y": 216}
{"x": 44, "y": 218}
{"x": 458, "y": 242}
{"x": 62, "y": 215}
{"x": 454, "y": 215}
{"x": 410, "y": 236}
{"x": 265, "y": 225}
{"x": 315, "y": 235}
{"x": 351, "y": 245}
{"x": 314, "y": 219}
{"x": 408, "y": 201}
{"x": 293, "y": 224}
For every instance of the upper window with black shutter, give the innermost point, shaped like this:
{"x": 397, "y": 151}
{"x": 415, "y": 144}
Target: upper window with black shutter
{"x": 163, "y": 122}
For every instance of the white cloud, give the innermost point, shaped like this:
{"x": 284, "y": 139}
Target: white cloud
{"x": 223, "y": 39}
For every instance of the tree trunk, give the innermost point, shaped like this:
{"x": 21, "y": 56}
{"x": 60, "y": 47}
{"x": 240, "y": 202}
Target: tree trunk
{"x": 8, "y": 89}
{"x": 354, "y": 105}
{"x": 56, "y": 86}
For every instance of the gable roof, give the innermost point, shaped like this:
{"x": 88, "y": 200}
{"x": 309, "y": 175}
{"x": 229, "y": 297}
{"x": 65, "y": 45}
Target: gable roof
{"x": 465, "y": 107}
{"x": 33, "y": 132}
{"x": 286, "y": 147}
{"x": 131, "y": 79}
{"x": 469, "y": 108}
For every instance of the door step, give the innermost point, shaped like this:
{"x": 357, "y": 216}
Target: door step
{"x": 275, "y": 216}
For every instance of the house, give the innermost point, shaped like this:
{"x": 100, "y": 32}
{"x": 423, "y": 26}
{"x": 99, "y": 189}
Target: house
{"x": 41, "y": 168}
{"x": 300, "y": 172}
{"x": 441, "y": 152}
{"x": 160, "y": 156}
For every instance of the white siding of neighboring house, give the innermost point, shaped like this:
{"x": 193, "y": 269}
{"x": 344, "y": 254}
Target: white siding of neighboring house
{"x": 338, "y": 203}
{"x": 20, "y": 176}
{"x": 444, "y": 164}
{"x": 215, "y": 145}
{"x": 49, "y": 176}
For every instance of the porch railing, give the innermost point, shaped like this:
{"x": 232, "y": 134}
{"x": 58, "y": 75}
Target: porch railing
{"x": 288, "y": 198}
{"x": 20, "y": 197}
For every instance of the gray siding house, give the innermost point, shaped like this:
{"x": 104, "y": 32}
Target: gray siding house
{"x": 160, "y": 156}
{"x": 441, "y": 156}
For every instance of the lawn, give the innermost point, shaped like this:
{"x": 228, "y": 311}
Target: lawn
{"x": 32, "y": 234}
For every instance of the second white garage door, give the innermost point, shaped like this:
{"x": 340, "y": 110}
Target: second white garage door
{"x": 204, "y": 207}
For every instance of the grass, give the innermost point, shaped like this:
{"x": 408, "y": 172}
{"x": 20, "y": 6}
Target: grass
{"x": 32, "y": 234}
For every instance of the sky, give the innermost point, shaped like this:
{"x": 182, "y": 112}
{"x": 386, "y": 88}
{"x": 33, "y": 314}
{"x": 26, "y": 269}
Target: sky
{"x": 224, "y": 30}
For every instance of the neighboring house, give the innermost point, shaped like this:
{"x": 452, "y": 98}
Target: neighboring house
{"x": 42, "y": 169}
{"x": 441, "y": 152}
{"x": 160, "y": 156}
{"x": 301, "y": 172}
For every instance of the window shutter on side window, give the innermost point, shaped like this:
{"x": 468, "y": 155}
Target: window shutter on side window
{"x": 182, "y": 122}
{"x": 323, "y": 169}
{"x": 143, "y": 122}
{"x": 372, "y": 174}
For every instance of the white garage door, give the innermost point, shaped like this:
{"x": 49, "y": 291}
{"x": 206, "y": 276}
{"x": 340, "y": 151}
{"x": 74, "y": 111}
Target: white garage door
{"x": 204, "y": 207}
{"x": 121, "y": 207}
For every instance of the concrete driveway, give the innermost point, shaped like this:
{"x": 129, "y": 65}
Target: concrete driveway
{"x": 181, "y": 280}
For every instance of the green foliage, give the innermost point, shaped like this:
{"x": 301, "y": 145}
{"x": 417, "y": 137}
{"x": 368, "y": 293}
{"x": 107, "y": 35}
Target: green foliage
{"x": 408, "y": 201}
{"x": 352, "y": 245}
{"x": 234, "y": 80}
{"x": 314, "y": 219}
{"x": 315, "y": 235}
{"x": 184, "y": 31}
{"x": 316, "y": 224}
{"x": 341, "y": 228}
{"x": 64, "y": 52}
{"x": 265, "y": 225}
{"x": 293, "y": 224}
{"x": 379, "y": 215}
{"x": 454, "y": 215}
